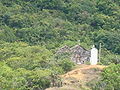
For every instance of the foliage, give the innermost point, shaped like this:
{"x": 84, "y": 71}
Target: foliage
{"x": 26, "y": 67}
{"x": 109, "y": 40}
{"x": 22, "y": 79}
{"x": 67, "y": 65}
{"x": 32, "y": 30}
{"x": 110, "y": 78}
{"x": 43, "y": 22}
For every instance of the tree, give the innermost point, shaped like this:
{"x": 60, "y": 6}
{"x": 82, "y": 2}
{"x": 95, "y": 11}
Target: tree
{"x": 110, "y": 78}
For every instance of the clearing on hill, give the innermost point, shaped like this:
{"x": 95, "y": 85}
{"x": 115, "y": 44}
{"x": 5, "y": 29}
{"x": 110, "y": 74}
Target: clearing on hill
{"x": 81, "y": 78}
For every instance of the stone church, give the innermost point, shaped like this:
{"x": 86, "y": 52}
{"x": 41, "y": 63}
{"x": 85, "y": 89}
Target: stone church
{"x": 78, "y": 54}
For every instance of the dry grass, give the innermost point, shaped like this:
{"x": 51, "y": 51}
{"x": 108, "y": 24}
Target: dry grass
{"x": 79, "y": 77}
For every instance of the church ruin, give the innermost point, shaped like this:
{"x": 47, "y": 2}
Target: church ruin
{"x": 78, "y": 54}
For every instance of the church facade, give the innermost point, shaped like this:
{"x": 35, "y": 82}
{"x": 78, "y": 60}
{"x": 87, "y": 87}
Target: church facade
{"x": 78, "y": 54}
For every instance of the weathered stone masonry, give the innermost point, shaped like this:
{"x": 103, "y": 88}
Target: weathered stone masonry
{"x": 79, "y": 54}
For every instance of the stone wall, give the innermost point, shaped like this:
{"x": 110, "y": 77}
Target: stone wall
{"x": 78, "y": 54}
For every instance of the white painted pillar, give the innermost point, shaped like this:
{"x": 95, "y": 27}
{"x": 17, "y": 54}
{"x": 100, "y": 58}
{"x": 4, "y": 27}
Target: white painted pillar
{"x": 94, "y": 56}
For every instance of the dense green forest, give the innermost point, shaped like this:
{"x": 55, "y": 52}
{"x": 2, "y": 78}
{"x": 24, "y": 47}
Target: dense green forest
{"x": 32, "y": 30}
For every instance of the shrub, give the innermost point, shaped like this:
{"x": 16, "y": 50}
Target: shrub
{"x": 66, "y": 64}
{"x": 110, "y": 79}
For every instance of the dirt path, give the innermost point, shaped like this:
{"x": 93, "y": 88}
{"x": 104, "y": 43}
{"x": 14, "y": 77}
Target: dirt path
{"x": 77, "y": 78}
{"x": 84, "y": 72}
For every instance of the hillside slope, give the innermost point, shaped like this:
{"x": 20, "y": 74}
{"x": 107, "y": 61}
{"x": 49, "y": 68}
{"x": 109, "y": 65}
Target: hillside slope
{"x": 80, "y": 78}
{"x": 53, "y": 23}
{"x": 31, "y": 31}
